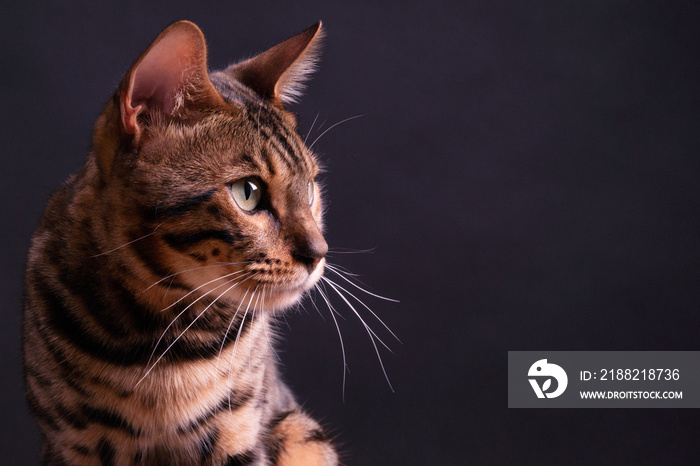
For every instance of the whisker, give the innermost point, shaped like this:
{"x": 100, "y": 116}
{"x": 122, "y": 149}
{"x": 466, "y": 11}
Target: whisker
{"x": 220, "y": 264}
{"x": 367, "y": 307}
{"x": 228, "y": 329}
{"x": 265, "y": 325}
{"x": 172, "y": 322}
{"x": 313, "y": 302}
{"x": 367, "y": 327}
{"x": 235, "y": 345}
{"x": 202, "y": 286}
{"x": 340, "y": 336}
{"x": 344, "y": 270}
{"x": 333, "y": 126}
{"x": 312, "y": 127}
{"x": 252, "y": 321}
{"x": 167, "y": 292}
{"x": 126, "y": 244}
{"x": 370, "y": 332}
{"x": 351, "y": 251}
{"x": 337, "y": 271}
{"x": 184, "y": 331}
{"x": 321, "y": 126}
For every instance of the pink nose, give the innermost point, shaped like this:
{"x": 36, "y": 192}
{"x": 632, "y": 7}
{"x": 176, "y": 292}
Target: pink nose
{"x": 310, "y": 250}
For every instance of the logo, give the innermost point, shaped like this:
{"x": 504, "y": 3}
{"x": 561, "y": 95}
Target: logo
{"x": 543, "y": 372}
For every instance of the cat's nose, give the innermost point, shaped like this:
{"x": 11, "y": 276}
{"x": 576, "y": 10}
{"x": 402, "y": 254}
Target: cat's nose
{"x": 310, "y": 249}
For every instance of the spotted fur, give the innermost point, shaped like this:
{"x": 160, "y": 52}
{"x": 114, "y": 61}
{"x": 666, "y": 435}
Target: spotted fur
{"x": 149, "y": 291}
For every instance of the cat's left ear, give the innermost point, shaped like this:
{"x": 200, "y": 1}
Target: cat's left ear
{"x": 279, "y": 73}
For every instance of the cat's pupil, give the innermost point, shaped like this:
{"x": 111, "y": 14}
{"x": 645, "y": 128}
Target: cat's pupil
{"x": 249, "y": 189}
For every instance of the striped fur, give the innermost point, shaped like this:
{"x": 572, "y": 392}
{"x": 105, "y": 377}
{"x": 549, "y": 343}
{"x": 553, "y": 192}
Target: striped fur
{"x": 149, "y": 291}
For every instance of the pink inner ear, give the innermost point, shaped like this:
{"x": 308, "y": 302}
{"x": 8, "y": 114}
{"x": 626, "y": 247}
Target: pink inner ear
{"x": 165, "y": 70}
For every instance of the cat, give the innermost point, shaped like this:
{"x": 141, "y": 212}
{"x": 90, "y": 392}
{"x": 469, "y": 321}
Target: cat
{"x": 156, "y": 269}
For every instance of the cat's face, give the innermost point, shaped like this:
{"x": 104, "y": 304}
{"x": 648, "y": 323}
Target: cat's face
{"x": 220, "y": 194}
{"x": 229, "y": 201}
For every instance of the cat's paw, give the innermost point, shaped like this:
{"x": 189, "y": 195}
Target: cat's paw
{"x": 301, "y": 441}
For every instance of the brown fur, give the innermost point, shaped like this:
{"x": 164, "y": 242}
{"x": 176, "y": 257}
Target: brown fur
{"x": 138, "y": 347}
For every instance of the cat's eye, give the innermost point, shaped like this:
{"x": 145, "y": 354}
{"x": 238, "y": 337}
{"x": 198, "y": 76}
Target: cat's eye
{"x": 311, "y": 192}
{"x": 247, "y": 193}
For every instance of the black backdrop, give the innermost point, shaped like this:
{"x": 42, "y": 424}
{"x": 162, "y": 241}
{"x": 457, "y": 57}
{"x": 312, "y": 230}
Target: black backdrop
{"x": 526, "y": 174}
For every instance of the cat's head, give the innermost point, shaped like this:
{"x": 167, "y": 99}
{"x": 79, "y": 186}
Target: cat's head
{"x": 206, "y": 178}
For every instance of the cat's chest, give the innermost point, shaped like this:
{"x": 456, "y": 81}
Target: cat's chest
{"x": 180, "y": 396}
{"x": 185, "y": 416}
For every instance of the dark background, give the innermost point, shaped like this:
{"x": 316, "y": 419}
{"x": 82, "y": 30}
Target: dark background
{"x": 526, "y": 173}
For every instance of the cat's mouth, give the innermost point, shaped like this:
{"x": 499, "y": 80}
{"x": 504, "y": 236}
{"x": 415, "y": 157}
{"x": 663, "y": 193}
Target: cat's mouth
{"x": 262, "y": 286}
{"x": 282, "y": 295}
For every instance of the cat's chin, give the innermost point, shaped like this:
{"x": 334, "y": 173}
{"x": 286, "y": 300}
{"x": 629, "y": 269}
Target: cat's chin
{"x": 282, "y": 297}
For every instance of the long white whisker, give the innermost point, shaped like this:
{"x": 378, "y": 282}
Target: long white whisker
{"x": 350, "y": 251}
{"x": 366, "y": 307}
{"x": 184, "y": 331}
{"x": 167, "y": 291}
{"x": 172, "y": 322}
{"x": 202, "y": 286}
{"x": 337, "y": 271}
{"x": 342, "y": 269}
{"x": 240, "y": 328}
{"x": 235, "y": 345}
{"x": 333, "y": 126}
{"x": 313, "y": 302}
{"x": 332, "y": 309}
{"x": 340, "y": 336}
{"x": 228, "y": 329}
{"x": 323, "y": 123}
{"x": 126, "y": 244}
{"x": 367, "y": 327}
{"x": 312, "y": 127}
{"x": 381, "y": 363}
{"x": 252, "y": 321}
{"x": 370, "y": 332}
{"x": 265, "y": 325}
{"x": 220, "y": 264}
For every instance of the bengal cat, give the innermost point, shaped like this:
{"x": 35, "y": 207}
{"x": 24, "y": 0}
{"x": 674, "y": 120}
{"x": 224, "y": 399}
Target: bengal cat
{"x": 155, "y": 270}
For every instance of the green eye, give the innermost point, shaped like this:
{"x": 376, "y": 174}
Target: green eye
{"x": 247, "y": 193}
{"x": 311, "y": 192}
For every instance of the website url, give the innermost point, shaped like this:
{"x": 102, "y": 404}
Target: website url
{"x": 631, "y": 395}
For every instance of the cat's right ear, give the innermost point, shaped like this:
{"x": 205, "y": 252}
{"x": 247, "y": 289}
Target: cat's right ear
{"x": 169, "y": 80}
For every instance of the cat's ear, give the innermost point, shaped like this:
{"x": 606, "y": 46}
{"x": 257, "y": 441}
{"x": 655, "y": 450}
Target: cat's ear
{"x": 279, "y": 73}
{"x": 169, "y": 78}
